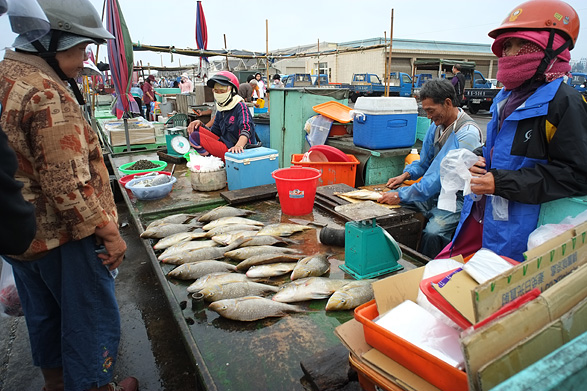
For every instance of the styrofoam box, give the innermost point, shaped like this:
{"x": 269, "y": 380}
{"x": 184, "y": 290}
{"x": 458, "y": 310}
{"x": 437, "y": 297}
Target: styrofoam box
{"x": 385, "y": 122}
{"x": 251, "y": 168}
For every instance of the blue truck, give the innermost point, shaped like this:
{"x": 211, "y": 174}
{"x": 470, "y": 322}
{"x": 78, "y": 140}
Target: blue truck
{"x": 579, "y": 82}
{"x": 481, "y": 93}
{"x": 369, "y": 84}
{"x": 297, "y": 80}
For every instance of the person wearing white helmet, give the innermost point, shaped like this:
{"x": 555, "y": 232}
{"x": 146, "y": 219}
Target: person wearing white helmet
{"x": 65, "y": 278}
{"x": 186, "y": 84}
{"x": 537, "y": 138}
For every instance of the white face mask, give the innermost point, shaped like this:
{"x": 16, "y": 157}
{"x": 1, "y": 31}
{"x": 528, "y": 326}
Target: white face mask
{"x": 222, "y": 98}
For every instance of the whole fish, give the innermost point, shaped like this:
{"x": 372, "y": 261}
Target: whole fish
{"x": 179, "y": 237}
{"x": 250, "y": 308}
{"x": 216, "y": 278}
{"x": 179, "y": 218}
{"x": 232, "y": 290}
{"x": 270, "y": 270}
{"x": 282, "y": 229}
{"x": 227, "y": 238}
{"x": 231, "y": 228}
{"x": 362, "y": 194}
{"x": 186, "y": 246}
{"x": 267, "y": 240}
{"x": 311, "y": 266}
{"x": 201, "y": 254}
{"x": 195, "y": 270}
{"x": 231, "y": 220}
{"x": 265, "y": 259}
{"x": 350, "y": 296}
{"x": 224, "y": 211}
{"x": 240, "y": 254}
{"x": 309, "y": 289}
{"x": 166, "y": 229}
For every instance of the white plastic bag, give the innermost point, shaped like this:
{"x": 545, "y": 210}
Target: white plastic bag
{"x": 317, "y": 128}
{"x": 455, "y": 176}
{"x": 9, "y": 300}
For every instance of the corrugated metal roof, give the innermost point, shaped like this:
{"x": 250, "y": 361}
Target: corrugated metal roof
{"x": 419, "y": 45}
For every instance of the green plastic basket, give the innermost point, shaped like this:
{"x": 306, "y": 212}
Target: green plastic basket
{"x": 160, "y": 166}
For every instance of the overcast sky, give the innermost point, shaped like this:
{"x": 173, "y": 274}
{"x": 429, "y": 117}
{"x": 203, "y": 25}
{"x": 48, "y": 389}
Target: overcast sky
{"x": 301, "y": 22}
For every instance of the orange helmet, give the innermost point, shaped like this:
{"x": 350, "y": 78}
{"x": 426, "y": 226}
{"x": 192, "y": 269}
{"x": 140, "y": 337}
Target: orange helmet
{"x": 542, "y": 15}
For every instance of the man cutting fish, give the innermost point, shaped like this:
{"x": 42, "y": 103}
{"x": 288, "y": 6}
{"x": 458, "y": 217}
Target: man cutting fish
{"x": 451, "y": 129}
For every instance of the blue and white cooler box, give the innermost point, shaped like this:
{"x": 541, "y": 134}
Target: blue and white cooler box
{"x": 251, "y": 168}
{"x": 385, "y": 122}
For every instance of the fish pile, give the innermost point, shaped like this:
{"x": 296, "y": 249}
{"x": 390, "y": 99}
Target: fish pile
{"x": 231, "y": 258}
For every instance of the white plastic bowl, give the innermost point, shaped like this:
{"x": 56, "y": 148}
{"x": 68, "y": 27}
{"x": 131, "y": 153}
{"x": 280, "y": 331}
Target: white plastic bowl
{"x": 152, "y": 192}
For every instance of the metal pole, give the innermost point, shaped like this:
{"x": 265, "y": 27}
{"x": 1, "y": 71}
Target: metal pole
{"x": 386, "y": 73}
{"x": 390, "y": 46}
{"x": 226, "y": 47}
{"x": 267, "y": 61}
{"x": 318, "y": 65}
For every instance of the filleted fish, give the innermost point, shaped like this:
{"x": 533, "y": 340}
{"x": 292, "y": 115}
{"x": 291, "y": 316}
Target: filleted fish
{"x": 179, "y": 218}
{"x": 264, "y": 259}
{"x": 309, "y": 289}
{"x": 240, "y": 254}
{"x": 179, "y": 237}
{"x": 232, "y": 290}
{"x": 195, "y": 270}
{"x": 350, "y": 296}
{"x": 270, "y": 270}
{"x": 201, "y": 254}
{"x": 231, "y": 220}
{"x": 166, "y": 229}
{"x": 283, "y": 229}
{"x": 224, "y": 211}
{"x": 186, "y": 246}
{"x": 311, "y": 266}
{"x": 251, "y": 308}
{"x": 214, "y": 279}
{"x": 231, "y": 228}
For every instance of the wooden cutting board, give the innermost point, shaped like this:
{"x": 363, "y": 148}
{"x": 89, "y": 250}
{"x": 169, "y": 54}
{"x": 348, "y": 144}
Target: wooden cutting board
{"x": 363, "y": 210}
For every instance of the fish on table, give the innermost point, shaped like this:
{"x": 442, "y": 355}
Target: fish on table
{"x": 311, "y": 288}
{"x": 231, "y": 228}
{"x": 214, "y": 279}
{"x": 233, "y": 290}
{"x": 186, "y": 246}
{"x": 264, "y": 259}
{"x": 229, "y": 237}
{"x": 195, "y": 270}
{"x": 351, "y": 296}
{"x": 224, "y": 211}
{"x": 231, "y": 220}
{"x": 166, "y": 229}
{"x": 242, "y": 253}
{"x": 268, "y": 240}
{"x": 270, "y": 270}
{"x": 362, "y": 194}
{"x": 251, "y": 308}
{"x": 177, "y": 238}
{"x": 311, "y": 266}
{"x": 179, "y": 218}
{"x": 283, "y": 229}
{"x": 201, "y": 254}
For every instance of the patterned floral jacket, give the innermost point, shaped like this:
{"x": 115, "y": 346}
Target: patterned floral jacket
{"x": 59, "y": 156}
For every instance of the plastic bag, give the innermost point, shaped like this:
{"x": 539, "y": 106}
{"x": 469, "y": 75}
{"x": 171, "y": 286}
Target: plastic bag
{"x": 9, "y": 300}
{"x": 317, "y": 128}
{"x": 199, "y": 163}
{"x": 455, "y": 176}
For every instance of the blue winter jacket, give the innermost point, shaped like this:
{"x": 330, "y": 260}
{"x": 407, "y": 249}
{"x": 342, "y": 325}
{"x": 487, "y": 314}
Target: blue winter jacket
{"x": 538, "y": 155}
{"x": 230, "y": 125}
{"x": 428, "y": 167}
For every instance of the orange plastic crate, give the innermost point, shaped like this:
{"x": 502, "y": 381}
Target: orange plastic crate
{"x": 332, "y": 172}
{"x": 427, "y": 366}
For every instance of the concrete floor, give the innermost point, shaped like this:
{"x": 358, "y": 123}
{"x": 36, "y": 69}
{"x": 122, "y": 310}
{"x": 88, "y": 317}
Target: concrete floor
{"x": 151, "y": 348}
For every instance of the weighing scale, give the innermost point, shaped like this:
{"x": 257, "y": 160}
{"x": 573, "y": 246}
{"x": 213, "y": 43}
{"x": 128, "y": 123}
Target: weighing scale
{"x": 370, "y": 251}
{"x": 177, "y": 144}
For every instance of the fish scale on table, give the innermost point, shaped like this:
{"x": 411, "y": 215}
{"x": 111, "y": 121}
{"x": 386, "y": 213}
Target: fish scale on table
{"x": 311, "y": 266}
{"x": 240, "y": 254}
{"x": 201, "y": 254}
{"x": 195, "y": 270}
{"x": 264, "y": 259}
{"x": 214, "y": 279}
{"x": 224, "y": 211}
{"x": 233, "y": 290}
{"x": 251, "y": 308}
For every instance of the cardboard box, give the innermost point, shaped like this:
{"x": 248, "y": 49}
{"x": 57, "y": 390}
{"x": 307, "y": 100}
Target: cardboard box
{"x": 139, "y": 132}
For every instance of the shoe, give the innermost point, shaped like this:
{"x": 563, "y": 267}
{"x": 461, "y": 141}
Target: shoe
{"x": 128, "y": 384}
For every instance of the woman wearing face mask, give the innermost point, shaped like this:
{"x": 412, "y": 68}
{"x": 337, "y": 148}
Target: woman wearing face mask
{"x": 537, "y": 137}
{"x": 233, "y": 126}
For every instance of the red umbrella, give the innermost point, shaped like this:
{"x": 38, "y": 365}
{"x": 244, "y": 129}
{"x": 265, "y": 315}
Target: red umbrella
{"x": 201, "y": 31}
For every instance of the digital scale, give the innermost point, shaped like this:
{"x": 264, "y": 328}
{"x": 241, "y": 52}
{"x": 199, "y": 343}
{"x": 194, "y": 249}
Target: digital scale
{"x": 177, "y": 143}
{"x": 370, "y": 251}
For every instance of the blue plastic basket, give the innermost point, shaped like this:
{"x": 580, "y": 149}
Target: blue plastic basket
{"x": 150, "y": 193}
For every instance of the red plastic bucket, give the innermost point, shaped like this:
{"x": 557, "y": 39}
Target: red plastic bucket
{"x": 296, "y": 187}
